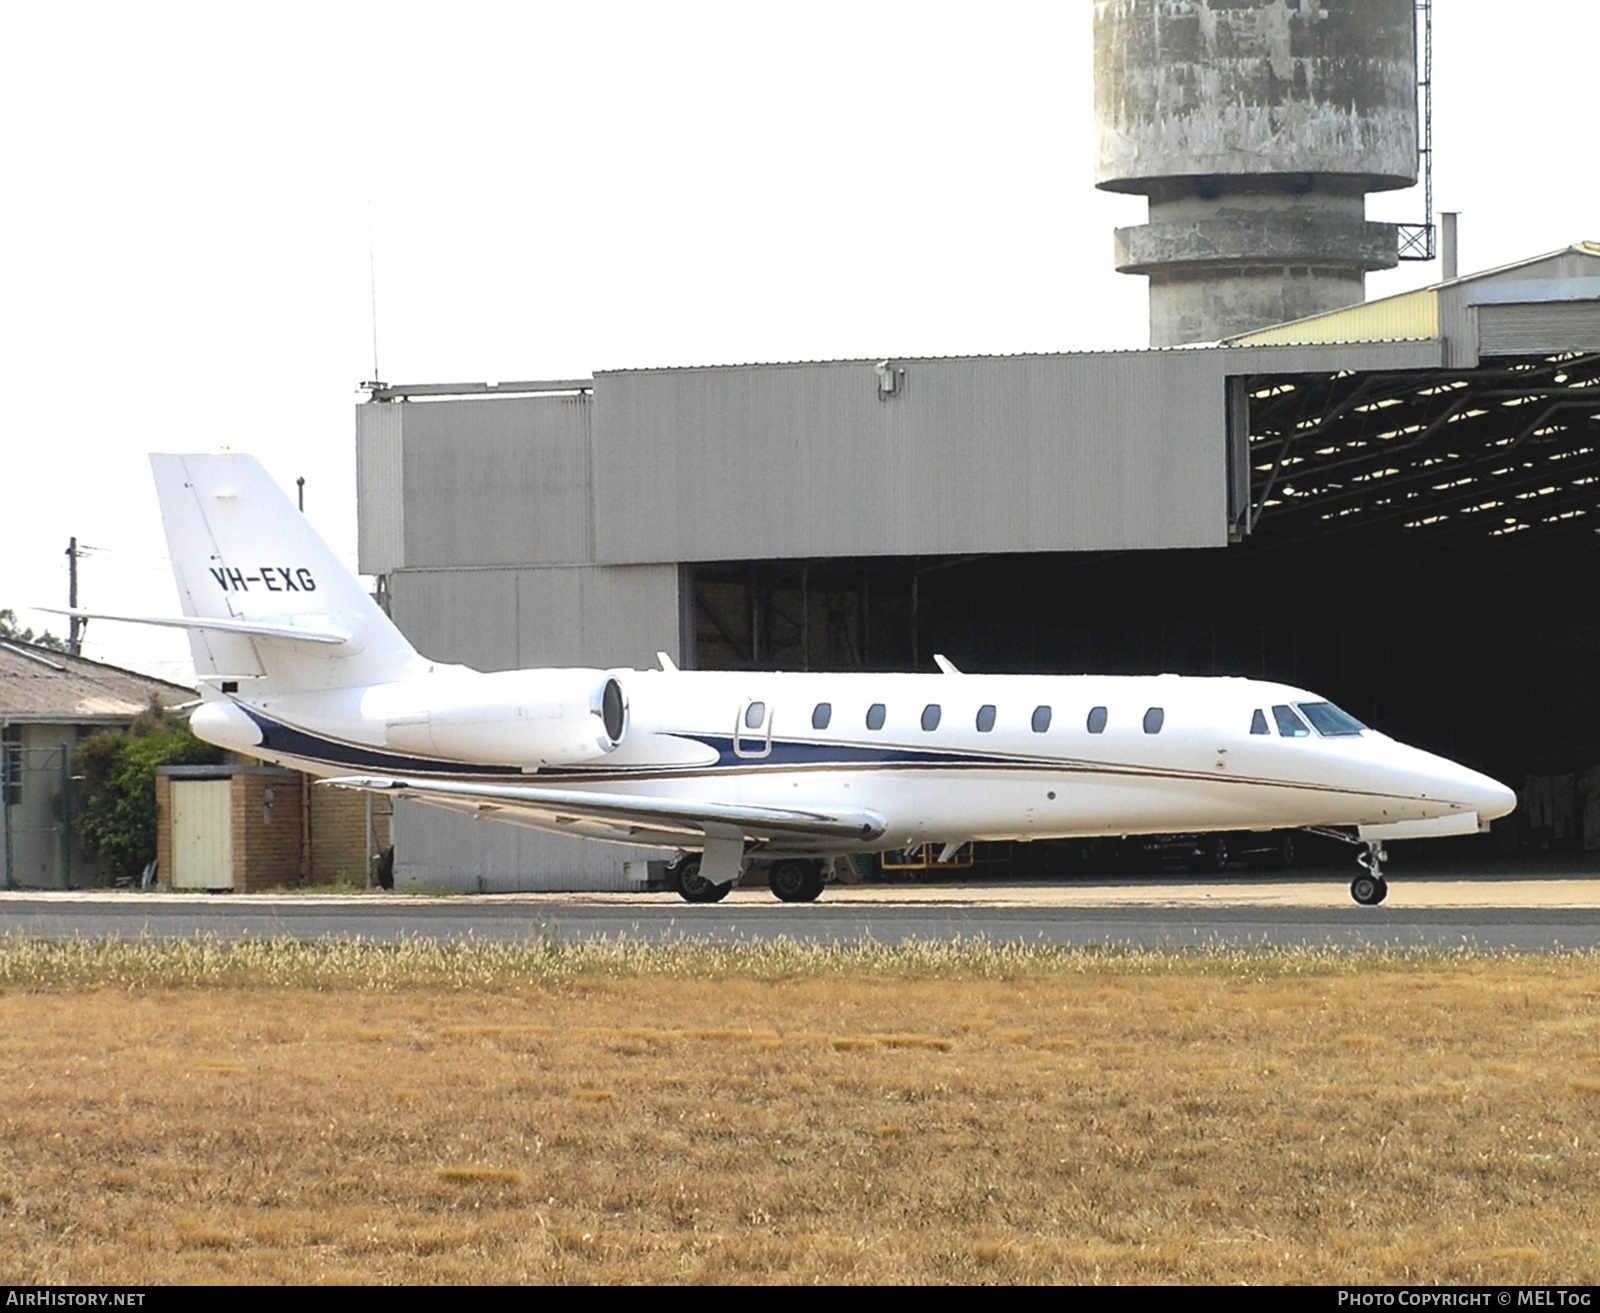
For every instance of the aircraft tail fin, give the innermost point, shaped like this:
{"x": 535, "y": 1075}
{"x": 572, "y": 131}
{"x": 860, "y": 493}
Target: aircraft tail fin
{"x": 265, "y": 601}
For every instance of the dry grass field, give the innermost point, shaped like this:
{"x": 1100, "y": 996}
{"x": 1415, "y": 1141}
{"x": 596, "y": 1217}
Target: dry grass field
{"x": 616, "y": 1113}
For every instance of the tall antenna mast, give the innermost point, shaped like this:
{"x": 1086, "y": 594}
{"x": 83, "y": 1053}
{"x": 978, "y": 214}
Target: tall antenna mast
{"x": 372, "y": 275}
{"x": 1418, "y": 241}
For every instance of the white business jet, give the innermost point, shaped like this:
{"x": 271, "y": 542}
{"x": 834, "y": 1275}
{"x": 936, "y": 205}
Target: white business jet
{"x": 791, "y": 771}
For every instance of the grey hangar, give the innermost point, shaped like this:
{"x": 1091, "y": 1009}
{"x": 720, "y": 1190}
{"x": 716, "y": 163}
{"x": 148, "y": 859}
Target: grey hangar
{"x": 1396, "y": 504}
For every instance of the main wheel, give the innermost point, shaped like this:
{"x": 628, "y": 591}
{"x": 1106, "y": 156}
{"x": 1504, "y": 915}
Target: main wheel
{"x": 795, "y": 882}
{"x": 693, "y": 887}
{"x": 1280, "y": 857}
{"x": 1369, "y": 890}
{"x": 1213, "y": 854}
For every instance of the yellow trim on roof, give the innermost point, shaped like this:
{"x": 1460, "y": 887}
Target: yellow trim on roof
{"x": 1408, "y": 317}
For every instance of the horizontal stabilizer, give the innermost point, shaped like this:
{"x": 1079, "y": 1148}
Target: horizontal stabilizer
{"x": 288, "y": 633}
{"x": 550, "y": 807}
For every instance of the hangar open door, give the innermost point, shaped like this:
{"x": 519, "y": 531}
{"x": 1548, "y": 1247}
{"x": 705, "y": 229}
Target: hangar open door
{"x": 1421, "y": 547}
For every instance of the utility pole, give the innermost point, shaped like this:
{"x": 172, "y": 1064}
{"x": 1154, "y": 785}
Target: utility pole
{"x": 76, "y": 624}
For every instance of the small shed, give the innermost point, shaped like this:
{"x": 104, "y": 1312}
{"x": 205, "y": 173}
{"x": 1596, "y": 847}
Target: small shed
{"x": 243, "y": 828}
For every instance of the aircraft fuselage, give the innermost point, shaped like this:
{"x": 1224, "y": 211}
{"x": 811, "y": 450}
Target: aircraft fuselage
{"x": 939, "y": 758}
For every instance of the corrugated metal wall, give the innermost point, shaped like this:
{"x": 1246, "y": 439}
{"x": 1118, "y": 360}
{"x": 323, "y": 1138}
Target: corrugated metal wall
{"x": 498, "y": 482}
{"x": 506, "y": 619}
{"x": 483, "y": 482}
{"x": 1020, "y": 454}
{"x": 1098, "y": 452}
{"x": 1538, "y": 329}
{"x": 1528, "y": 280}
{"x": 436, "y": 849}
{"x": 380, "y": 481}
{"x": 510, "y": 619}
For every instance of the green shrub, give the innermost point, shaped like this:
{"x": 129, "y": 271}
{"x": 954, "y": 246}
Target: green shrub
{"x": 116, "y": 814}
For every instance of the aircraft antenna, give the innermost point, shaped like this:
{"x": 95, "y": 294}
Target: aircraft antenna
{"x": 372, "y": 275}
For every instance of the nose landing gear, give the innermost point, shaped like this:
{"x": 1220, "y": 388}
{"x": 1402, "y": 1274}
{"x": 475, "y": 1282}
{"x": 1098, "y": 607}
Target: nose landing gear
{"x": 1370, "y": 888}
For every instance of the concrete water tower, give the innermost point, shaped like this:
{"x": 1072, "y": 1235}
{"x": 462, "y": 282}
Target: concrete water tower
{"x": 1255, "y": 128}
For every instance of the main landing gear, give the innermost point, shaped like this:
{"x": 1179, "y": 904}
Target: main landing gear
{"x": 684, "y": 876}
{"x": 1370, "y": 888}
{"x": 795, "y": 881}
{"x": 792, "y": 880}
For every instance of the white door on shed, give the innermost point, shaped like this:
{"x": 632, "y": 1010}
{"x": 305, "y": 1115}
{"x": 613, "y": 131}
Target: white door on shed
{"x": 202, "y": 834}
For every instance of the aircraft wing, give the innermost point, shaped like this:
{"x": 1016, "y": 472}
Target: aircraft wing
{"x": 657, "y": 822}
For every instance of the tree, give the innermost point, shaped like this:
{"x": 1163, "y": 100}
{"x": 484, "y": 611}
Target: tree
{"x": 117, "y": 809}
{"x": 9, "y": 630}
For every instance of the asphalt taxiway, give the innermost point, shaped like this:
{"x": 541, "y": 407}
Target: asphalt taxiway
{"x": 1526, "y": 913}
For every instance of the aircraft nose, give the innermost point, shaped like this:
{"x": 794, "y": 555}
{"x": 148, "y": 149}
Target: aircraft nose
{"x": 1488, "y": 797}
{"x": 1462, "y": 788}
{"x": 1496, "y": 800}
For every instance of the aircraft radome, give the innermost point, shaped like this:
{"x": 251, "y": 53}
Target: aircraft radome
{"x": 793, "y": 771}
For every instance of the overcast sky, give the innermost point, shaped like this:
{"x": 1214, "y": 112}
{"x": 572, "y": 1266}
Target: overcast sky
{"x": 552, "y": 190}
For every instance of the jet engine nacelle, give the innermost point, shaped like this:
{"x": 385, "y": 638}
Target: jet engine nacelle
{"x": 511, "y": 718}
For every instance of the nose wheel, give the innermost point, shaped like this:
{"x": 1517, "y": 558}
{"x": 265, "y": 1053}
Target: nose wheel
{"x": 1370, "y": 888}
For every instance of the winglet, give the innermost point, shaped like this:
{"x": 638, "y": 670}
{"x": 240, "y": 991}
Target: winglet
{"x": 945, "y": 663}
{"x": 667, "y": 662}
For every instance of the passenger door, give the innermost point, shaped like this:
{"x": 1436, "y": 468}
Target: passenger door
{"x": 752, "y": 731}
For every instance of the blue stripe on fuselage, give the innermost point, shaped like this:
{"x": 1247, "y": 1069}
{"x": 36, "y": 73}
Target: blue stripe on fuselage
{"x": 849, "y": 754}
{"x": 291, "y": 742}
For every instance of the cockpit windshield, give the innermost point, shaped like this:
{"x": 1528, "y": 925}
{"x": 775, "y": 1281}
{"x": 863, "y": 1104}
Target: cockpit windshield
{"x": 1329, "y": 721}
{"x": 1289, "y": 724}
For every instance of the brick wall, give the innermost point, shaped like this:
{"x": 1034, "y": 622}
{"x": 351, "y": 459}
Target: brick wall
{"x": 338, "y": 833}
{"x": 164, "y": 831}
{"x": 270, "y": 836}
{"x": 266, "y": 832}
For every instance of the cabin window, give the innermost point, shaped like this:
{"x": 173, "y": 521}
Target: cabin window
{"x": 1329, "y": 721}
{"x": 930, "y": 716}
{"x": 1041, "y": 719}
{"x": 1289, "y": 724}
{"x": 1153, "y": 720}
{"x": 754, "y": 714}
{"x": 1258, "y": 722}
{"x": 875, "y": 714}
{"x": 986, "y": 718}
{"x": 822, "y": 715}
{"x": 1097, "y": 720}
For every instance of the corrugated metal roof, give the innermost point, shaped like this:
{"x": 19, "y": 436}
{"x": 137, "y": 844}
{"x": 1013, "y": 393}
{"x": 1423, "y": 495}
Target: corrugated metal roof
{"x": 1591, "y": 249}
{"x": 39, "y": 684}
{"x": 1408, "y": 317}
{"x": 956, "y": 358}
{"x": 1414, "y": 316}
